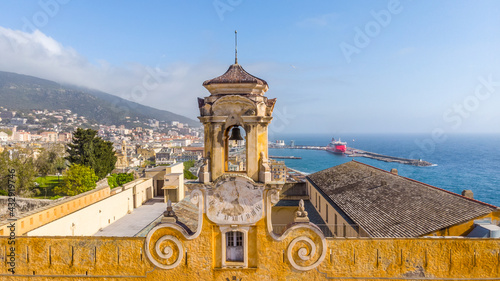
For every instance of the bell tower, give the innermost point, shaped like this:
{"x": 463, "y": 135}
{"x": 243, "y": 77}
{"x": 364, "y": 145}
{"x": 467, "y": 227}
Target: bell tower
{"x": 236, "y": 117}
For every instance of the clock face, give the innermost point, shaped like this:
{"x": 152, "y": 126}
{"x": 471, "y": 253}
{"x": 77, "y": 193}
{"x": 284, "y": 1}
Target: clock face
{"x": 235, "y": 200}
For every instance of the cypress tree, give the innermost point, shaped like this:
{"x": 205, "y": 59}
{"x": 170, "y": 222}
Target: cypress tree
{"x": 90, "y": 150}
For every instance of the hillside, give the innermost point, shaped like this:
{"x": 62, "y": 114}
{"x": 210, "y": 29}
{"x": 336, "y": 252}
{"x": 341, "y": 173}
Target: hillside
{"x": 22, "y": 92}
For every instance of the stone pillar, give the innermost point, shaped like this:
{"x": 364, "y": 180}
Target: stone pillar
{"x": 252, "y": 151}
{"x": 468, "y": 193}
{"x": 218, "y": 152}
{"x": 204, "y": 175}
{"x": 264, "y": 169}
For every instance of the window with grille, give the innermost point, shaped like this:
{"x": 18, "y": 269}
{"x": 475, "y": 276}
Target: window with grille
{"x": 234, "y": 246}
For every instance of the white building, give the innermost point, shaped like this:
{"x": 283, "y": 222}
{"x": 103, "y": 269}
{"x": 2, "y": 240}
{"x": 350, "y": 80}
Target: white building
{"x": 4, "y": 136}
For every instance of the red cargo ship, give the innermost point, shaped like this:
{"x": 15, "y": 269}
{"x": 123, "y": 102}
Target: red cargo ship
{"x": 338, "y": 147}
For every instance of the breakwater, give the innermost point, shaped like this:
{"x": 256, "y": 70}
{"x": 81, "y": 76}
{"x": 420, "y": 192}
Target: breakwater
{"x": 310, "y": 147}
{"x": 352, "y": 152}
{"x": 285, "y": 157}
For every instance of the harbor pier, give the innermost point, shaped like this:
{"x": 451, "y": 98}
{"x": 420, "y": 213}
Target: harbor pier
{"x": 353, "y": 152}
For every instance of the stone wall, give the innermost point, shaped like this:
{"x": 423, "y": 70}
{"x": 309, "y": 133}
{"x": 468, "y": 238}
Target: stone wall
{"x": 23, "y": 205}
{"x": 294, "y": 191}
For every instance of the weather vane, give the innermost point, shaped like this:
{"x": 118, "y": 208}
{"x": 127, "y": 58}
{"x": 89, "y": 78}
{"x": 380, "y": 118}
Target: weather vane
{"x": 235, "y": 47}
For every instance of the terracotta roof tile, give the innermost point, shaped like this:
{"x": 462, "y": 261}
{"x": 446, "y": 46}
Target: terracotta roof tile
{"x": 235, "y": 74}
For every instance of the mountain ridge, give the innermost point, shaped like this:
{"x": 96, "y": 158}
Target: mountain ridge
{"x": 25, "y": 92}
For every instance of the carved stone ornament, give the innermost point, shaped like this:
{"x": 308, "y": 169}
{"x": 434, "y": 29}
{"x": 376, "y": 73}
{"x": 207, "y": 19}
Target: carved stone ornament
{"x": 165, "y": 250}
{"x": 169, "y": 214}
{"x": 301, "y": 214}
{"x": 306, "y": 251}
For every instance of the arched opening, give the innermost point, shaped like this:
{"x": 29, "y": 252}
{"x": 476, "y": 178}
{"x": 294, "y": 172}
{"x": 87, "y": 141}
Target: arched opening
{"x": 236, "y": 149}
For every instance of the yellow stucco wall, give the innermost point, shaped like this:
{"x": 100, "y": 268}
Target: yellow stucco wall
{"x": 64, "y": 258}
{"x": 464, "y": 228}
{"x": 283, "y": 215}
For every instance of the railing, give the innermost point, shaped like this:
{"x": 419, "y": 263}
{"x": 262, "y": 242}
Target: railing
{"x": 329, "y": 230}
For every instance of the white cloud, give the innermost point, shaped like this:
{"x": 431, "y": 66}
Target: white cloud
{"x": 318, "y": 21}
{"x": 173, "y": 87}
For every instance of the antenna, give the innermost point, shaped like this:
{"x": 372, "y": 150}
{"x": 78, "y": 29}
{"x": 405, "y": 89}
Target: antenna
{"x": 235, "y": 47}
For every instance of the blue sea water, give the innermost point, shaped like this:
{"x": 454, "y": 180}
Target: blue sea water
{"x": 462, "y": 161}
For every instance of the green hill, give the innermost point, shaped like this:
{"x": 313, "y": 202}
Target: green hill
{"x": 22, "y": 92}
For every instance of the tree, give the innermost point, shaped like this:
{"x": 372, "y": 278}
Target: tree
{"x": 187, "y": 174}
{"x": 188, "y": 164}
{"x": 79, "y": 178}
{"x": 92, "y": 151}
{"x": 4, "y": 170}
{"x": 115, "y": 180}
{"x": 49, "y": 162}
{"x": 21, "y": 160}
{"x": 45, "y": 163}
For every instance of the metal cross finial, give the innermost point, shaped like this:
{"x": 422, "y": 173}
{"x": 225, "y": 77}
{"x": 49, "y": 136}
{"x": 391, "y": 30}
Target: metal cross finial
{"x": 235, "y": 47}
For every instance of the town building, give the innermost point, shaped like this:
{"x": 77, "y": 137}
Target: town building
{"x": 168, "y": 181}
{"x": 165, "y": 156}
{"x": 121, "y": 157}
{"x": 49, "y": 136}
{"x": 4, "y": 136}
{"x": 278, "y": 171}
{"x": 21, "y": 136}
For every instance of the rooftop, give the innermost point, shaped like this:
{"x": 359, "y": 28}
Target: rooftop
{"x": 235, "y": 74}
{"x": 388, "y": 205}
{"x": 132, "y": 224}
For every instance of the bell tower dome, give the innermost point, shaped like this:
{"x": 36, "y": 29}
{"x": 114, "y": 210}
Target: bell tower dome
{"x": 236, "y": 105}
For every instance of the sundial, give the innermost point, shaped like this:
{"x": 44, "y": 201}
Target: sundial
{"x": 235, "y": 200}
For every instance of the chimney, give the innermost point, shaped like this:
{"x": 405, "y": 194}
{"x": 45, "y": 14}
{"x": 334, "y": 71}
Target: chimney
{"x": 394, "y": 171}
{"x": 468, "y": 193}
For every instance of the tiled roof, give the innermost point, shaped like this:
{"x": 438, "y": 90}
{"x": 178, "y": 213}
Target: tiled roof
{"x": 235, "y": 74}
{"x": 187, "y": 214}
{"x": 388, "y": 205}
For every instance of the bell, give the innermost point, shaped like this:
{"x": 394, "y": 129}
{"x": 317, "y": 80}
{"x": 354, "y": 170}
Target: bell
{"x": 235, "y": 134}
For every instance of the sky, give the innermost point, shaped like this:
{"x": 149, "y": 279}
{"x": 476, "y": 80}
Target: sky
{"x": 337, "y": 67}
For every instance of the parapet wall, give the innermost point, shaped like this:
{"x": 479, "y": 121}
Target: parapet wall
{"x": 89, "y": 220}
{"x": 77, "y": 215}
{"x": 23, "y": 205}
{"x": 60, "y": 208}
{"x": 88, "y": 258}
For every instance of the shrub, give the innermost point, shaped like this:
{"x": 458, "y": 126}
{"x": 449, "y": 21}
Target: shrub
{"x": 115, "y": 180}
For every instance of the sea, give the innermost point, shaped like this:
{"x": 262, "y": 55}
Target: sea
{"x": 459, "y": 161}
